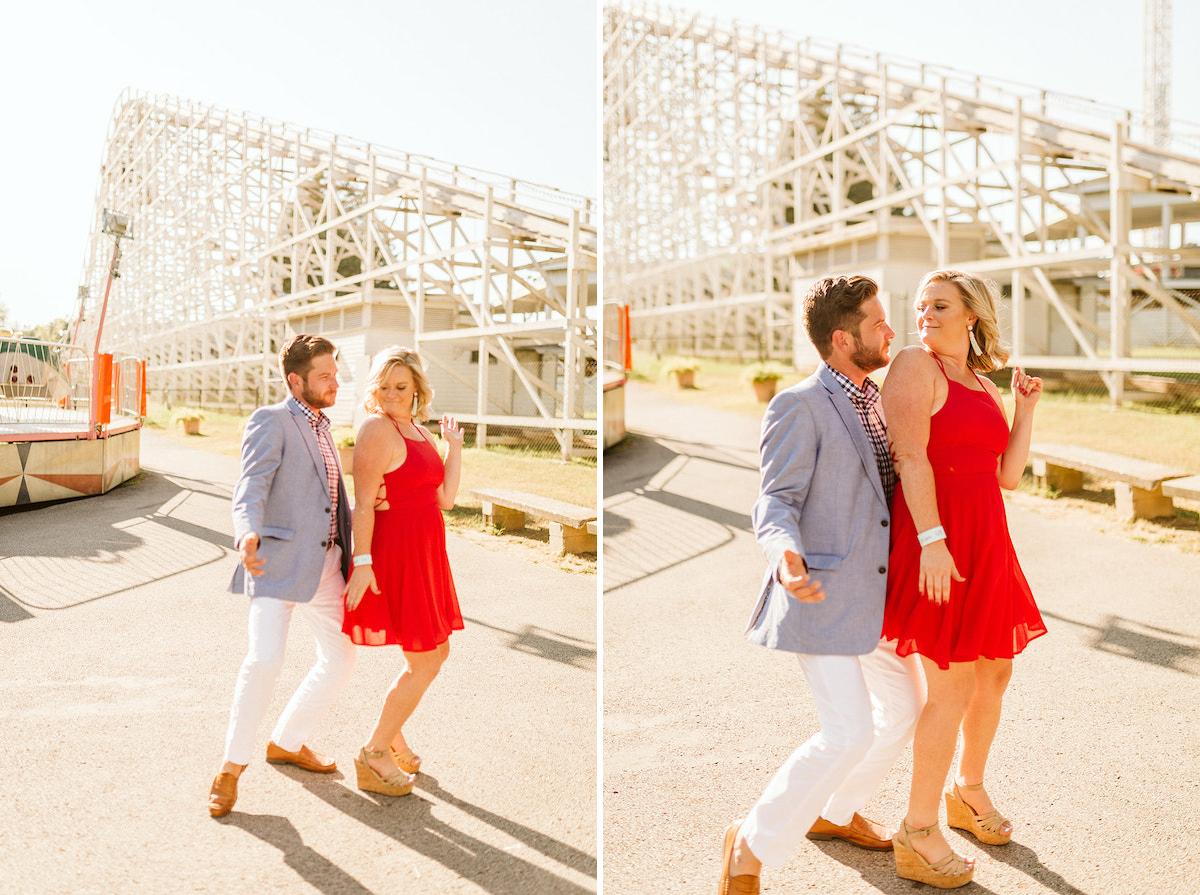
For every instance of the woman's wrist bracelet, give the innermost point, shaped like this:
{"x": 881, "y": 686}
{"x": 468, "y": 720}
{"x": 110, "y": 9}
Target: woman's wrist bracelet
{"x": 363, "y": 559}
{"x": 929, "y": 535}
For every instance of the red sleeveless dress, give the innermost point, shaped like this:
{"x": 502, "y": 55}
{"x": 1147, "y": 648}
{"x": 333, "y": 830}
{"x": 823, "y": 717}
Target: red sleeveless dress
{"x": 992, "y": 614}
{"x": 417, "y": 606}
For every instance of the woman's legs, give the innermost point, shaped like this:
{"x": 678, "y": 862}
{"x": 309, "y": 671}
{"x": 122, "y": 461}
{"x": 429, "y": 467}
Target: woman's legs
{"x": 979, "y": 726}
{"x": 950, "y": 693}
{"x": 402, "y": 699}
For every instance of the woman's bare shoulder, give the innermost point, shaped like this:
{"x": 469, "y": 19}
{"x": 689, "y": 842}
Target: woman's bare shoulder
{"x": 911, "y": 362}
{"x": 914, "y": 356}
{"x": 373, "y": 429}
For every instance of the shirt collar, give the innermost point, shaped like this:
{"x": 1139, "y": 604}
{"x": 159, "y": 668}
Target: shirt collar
{"x": 867, "y": 395}
{"x": 315, "y": 418}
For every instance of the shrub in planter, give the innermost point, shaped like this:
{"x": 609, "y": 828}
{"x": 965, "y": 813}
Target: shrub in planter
{"x": 343, "y": 440}
{"x": 765, "y": 379}
{"x": 189, "y": 418}
{"x": 684, "y": 369}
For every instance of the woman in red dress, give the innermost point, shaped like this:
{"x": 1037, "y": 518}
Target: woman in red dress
{"x": 401, "y": 590}
{"x": 956, "y": 594}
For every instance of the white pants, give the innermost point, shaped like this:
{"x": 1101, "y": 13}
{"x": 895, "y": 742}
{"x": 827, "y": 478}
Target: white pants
{"x": 269, "y": 621}
{"x": 868, "y": 708}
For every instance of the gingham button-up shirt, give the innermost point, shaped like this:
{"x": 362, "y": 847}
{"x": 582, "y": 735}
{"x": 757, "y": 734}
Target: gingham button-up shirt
{"x": 870, "y": 413}
{"x": 320, "y": 426}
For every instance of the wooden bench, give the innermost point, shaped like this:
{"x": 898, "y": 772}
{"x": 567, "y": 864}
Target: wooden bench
{"x": 1138, "y": 483}
{"x": 570, "y": 531}
{"x": 1187, "y": 488}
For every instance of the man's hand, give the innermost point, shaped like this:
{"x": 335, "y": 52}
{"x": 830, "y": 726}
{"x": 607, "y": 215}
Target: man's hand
{"x": 248, "y": 550}
{"x": 793, "y": 575}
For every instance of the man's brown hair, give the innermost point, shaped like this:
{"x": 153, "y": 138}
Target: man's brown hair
{"x": 296, "y": 355}
{"x": 835, "y": 303}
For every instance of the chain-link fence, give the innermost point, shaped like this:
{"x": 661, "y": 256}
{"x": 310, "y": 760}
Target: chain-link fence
{"x": 1172, "y": 392}
{"x": 540, "y": 439}
{"x": 230, "y": 400}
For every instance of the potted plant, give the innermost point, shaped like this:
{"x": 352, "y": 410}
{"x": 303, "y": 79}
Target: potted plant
{"x": 189, "y": 418}
{"x": 764, "y": 376}
{"x": 343, "y": 440}
{"x": 684, "y": 370}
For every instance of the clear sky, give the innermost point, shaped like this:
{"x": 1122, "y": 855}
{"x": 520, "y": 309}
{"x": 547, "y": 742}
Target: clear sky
{"x": 505, "y": 85}
{"x": 1092, "y": 49}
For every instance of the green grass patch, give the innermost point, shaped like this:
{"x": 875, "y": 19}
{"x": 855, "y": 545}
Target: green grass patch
{"x": 719, "y": 384}
{"x": 1136, "y": 430}
{"x": 537, "y": 470}
{"x": 1132, "y": 430}
{"x": 220, "y": 432}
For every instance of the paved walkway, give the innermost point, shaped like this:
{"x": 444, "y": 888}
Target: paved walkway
{"x": 1098, "y": 756}
{"x": 118, "y": 652}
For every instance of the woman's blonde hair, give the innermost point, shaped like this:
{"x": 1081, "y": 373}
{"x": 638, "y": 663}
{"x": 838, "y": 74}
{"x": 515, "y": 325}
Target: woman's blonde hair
{"x": 381, "y": 368}
{"x": 980, "y": 296}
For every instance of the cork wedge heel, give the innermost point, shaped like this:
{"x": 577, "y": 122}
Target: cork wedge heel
{"x": 950, "y": 872}
{"x": 987, "y": 828}
{"x": 370, "y": 780}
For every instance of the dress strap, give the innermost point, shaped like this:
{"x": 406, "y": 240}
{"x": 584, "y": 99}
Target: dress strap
{"x": 396, "y": 426}
{"x": 941, "y": 366}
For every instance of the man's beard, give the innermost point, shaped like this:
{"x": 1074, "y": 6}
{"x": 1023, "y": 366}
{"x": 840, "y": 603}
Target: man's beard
{"x": 868, "y": 359}
{"x": 316, "y": 400}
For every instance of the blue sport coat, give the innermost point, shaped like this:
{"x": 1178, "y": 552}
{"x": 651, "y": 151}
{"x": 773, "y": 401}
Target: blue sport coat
{"x": 282, "y": 493}
{"x": 821, "y": 496}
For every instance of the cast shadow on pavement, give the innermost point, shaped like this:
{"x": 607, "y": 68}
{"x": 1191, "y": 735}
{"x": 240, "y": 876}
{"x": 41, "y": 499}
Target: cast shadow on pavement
{"x": 75, "y": 553}
{"x": 309, "y": 864}
{"x": 878, "y": 869}
{"x": 410, "y": 821}
{"x": 1025, "y": 859}
{"x": 11, "y": 610}
{"x": 646, "y": 456}
{"x": 662, "y": 550}
{"x": 535, "y": 641}
{"x": 1125, "y": 637}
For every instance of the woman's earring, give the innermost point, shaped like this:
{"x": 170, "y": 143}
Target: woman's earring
{"x": 974, "y": 344}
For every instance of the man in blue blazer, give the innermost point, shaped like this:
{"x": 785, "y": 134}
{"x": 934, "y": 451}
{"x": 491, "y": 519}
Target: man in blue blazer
{"x": 822, "y": 520}
{"x": 291, "y": 525}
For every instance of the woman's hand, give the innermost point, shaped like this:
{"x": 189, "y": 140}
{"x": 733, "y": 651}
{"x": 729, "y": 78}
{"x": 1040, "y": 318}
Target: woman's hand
{"x": 451, "y": 431}
{"x": 360, "y": 579}
{"x": 1026, "y": 389}
{"x": 937, "y": 570}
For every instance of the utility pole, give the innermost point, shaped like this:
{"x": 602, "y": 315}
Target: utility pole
{"x": 1156, "y": 70}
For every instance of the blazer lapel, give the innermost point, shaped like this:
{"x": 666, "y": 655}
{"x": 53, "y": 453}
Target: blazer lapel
{"x": 309, "y": 437}
{"x": 854, "y": 427}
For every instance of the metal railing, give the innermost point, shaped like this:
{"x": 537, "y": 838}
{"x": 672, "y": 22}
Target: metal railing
{"x": 46, "y": 391}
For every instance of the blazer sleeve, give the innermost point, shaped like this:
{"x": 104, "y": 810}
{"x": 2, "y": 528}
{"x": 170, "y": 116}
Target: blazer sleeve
{"x": 788, "y": 451}
{"x": 262, "y": 452}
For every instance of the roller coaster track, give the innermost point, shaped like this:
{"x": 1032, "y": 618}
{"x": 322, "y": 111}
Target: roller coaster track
{"x": 248, "y": 229}
{"x": 741, "y": 164}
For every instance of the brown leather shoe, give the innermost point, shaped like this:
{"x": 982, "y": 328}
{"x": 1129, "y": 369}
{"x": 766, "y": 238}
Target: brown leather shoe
{"x": 305, "y": 758}
{"x": 860, "y": 831}
{"x": 734, "y": 885}
{"x": 223, "y": 794}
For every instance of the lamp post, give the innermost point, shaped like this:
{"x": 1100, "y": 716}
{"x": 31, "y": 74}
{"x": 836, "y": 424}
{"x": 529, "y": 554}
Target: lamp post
{"x": 118, "y": 226}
